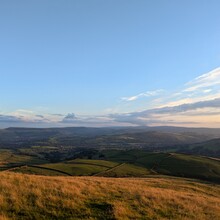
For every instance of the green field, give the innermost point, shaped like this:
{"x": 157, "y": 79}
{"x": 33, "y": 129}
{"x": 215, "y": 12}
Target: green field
{"x": 9, "y": 159}
{"x": 170, "y": 163}
{"x": 190, "y": 166}
{"x": 81, "y": 167}
{"x": 37, "y": 171}
{"x": 116, "y": 163}
{"x": 126, "y": 170}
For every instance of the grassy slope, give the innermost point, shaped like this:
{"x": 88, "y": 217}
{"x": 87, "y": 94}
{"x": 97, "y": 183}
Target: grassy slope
{"x": 190, "y": 166}
{"x": 171, "y": 164}
{"x": 85, "y": 168}
{"x": 9, "y": 159}
{"x": 37, "y": 171}
{"x": 82, "y": 167}
{"x": 126, "y": 170}
{"x": 37, "y": 197}
{"x": 210, "y": 148}
{"x": 135, "y": 163}
{"x": 76, "y": 169}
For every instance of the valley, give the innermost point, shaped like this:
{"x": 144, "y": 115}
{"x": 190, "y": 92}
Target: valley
{"x": 109, "y": 173}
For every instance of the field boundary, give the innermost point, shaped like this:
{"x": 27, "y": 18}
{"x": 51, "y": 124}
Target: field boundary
{"x": 110, "y": 169}
{"x": 34, "y": 166}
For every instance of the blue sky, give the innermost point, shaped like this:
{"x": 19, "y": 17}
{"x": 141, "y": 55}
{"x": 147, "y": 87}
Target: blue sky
{"x": 98, "y": 63}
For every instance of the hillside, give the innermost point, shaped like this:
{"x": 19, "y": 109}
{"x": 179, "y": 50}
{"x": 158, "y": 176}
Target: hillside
{"x": 207, "y": 148}
{"x": 169, "y": 163}
{"x": 37, "y": 197}
{"x": 115, "y": 163}
{"x": 149, "y": 140}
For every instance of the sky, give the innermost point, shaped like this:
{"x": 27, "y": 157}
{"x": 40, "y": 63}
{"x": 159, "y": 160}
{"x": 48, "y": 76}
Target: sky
{"x": 109, "y": 63}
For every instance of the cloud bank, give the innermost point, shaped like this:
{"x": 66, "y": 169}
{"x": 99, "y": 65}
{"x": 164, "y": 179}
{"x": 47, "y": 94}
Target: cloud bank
{"x": 196, "y": 104}
{"x": 170, "y": 115}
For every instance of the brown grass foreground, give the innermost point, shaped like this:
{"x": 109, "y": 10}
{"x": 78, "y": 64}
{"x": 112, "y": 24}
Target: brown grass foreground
{"x": 39, "y": 197}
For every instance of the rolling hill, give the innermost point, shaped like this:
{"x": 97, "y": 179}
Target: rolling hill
{"x": 116, "y": 163}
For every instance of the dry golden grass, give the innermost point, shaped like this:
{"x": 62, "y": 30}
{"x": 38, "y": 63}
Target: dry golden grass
{"x": 39, "y": 197}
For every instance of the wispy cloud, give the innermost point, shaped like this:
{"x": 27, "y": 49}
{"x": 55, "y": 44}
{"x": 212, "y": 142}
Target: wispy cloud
{"x": 203, "y": 88}
{"x": 198, "y": 102}
{"x": 141, "y": 95}
{"x": 204, "y": 81}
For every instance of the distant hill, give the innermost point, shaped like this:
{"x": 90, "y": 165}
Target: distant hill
{"x": 207, "y": 148}
{"x": 110, "y": 136}
{"x": 151, "y": 139}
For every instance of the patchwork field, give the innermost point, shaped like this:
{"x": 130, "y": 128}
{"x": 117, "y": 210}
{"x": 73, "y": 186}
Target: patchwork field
{"x": 116, "y": 163}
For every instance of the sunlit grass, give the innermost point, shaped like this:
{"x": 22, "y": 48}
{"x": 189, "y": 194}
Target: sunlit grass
{"x": 38, "y": 197}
